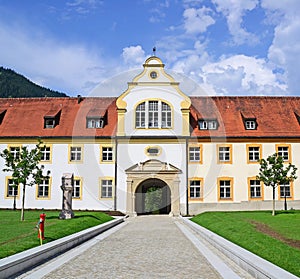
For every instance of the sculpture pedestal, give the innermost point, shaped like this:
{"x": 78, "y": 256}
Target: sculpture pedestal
{"x": 66, "y": 214}
{"x": 67, "y": 188}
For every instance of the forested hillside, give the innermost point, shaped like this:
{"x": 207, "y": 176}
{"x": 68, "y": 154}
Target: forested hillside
{"x": 13, "y": 85}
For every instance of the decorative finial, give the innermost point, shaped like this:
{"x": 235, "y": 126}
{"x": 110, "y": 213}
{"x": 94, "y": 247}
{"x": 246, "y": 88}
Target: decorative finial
{"x": 154, "y": 50}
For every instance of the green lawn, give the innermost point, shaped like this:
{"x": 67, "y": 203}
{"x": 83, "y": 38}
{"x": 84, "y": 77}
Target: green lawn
{"x": 17, "y": 236}
{"x": 241, "y": 228}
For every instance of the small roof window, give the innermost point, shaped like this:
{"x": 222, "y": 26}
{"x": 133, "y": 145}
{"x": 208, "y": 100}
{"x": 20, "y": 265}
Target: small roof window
{"x": 208, "y": 124}
{"x": 51, "y": 120}
{"x": 250, "y": 124}
{"x": 94, "y": 122}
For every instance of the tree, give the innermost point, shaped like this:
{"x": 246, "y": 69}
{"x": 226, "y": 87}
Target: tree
{"x": 25, "y": 168}
{"x": 272, "y": 172}
{"x": 153, "y": 199}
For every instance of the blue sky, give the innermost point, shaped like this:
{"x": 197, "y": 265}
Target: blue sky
{"x": 228, "y": 47}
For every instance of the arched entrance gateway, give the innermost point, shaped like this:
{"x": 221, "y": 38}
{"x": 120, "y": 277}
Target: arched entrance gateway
{"x": 153, "y": 196}
{"x": 153, "y": 188}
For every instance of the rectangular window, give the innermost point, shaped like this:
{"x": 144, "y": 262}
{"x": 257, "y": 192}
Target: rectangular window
{"x": 44, "y": 189}
{"x": 107, "y": 154}
{"x": 208, "y": 124}
{"x": 106, "y": 188}
{"x": 45, "y": 153}
{"x": 224, "y": 154}
{"x": 202, "y": 125}
{"x": 255, "y": 189}
{"x": 49, "y": 123}
{"x": 15, "y": 151}
{"x": 95, "y": 123}
{"x": 75, "y": 153}
{"x": 253, "y": 153}
{"x": 153, "y": 114}
{"x": 77, "y": 189}
{"x": 225, "y": 189}
{"x": 250, "y": 124}
{"x": 283, "y": 151}
{"x": 195, "y": 189}
{"x": 212, "y": 125}
{"x": 12, "y": 189}
{"x": 285, "y": 190}
{"x": 194, "y": 153}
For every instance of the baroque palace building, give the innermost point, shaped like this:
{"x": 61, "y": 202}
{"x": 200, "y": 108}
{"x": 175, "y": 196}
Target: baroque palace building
{"x": 196, "y": 153}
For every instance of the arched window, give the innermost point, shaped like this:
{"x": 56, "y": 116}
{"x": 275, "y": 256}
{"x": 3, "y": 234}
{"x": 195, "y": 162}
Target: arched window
{"x": 140, "y": 116}
{"x": 153, "y": 114}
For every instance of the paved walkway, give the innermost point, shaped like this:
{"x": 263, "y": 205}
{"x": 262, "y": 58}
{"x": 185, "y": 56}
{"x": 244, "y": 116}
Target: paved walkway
{"x": 143, "y": 247}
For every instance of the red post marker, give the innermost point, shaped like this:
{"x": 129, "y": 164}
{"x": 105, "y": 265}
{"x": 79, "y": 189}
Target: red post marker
{"x": 41, "y": 225}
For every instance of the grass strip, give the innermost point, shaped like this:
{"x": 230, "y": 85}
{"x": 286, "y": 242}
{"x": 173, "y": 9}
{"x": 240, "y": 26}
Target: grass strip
{"x": 261, "y": 233}
{"x": 17, "y": 236}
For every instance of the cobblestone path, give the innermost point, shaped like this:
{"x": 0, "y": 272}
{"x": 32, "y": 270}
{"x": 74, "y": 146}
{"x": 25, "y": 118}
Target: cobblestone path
{"x": 147, "y": 247}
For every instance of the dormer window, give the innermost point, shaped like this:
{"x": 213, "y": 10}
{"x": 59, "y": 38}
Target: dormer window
{"x": 2, "y": 114}
{"x": 49, "y": 123}
{"x": 250, "y": 124}
{"x": 51, "y": 119}
{"x": 95, "y": 123}
{"x": 211, "y": 124}
{"x": 249, "y": 120}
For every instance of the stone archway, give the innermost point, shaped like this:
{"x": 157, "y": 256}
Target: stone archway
{"x": 148, "y": 171}
{"x": 152, "y": 196}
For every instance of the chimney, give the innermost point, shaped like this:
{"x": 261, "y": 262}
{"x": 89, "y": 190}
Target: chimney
{"x": 79, "y": 99}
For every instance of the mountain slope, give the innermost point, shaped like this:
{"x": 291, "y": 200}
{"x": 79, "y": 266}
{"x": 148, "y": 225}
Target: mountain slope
{"x": 13, "y": 85}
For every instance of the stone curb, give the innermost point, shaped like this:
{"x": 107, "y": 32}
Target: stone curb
{"x": 253, "y": 264}
{"x": 20, "y": 262}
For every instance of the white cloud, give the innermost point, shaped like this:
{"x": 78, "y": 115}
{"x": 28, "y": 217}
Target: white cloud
{"x": 72, "y": 69}
{"x": 197, "y": 20}
{"x": 285, "y": 48}
{"x": 242, "y": 75}
{"x": 133, "y": 56}
{"x": 234, "y": 11}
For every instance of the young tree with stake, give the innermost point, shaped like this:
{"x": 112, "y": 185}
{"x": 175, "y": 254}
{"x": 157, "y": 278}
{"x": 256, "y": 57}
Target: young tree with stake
{"x": 272, "y": 172}
{"x": 25, "y": 168}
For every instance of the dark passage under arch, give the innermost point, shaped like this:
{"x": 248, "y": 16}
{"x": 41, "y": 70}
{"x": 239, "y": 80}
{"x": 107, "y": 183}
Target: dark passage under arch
{"x": 153, "y": 196}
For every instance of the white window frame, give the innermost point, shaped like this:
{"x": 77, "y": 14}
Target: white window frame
{"x": 208, "y": 124}
{"x": 283, "y": 151}
{"x": 15, "y": 151}
{"x": 153, "y": 114}
{"x": 106, "y": 188}
{"x": 95, "y": 123}
{"x": 12, "y": 189}
{"x": 254, "y": 153}
{"x": 283, "y": 188}
{"x": 107, "y": 153}
{"x": 75, "y": 153}
{"x": 195, "y": 189}
{"x": 45, "y": 152}
{"x": 49, "y": 123}
{"x": 224, "y": 151}
{"x": 194, "y": 153}
{"x": 43, "y": 190}
{"x": 224, "y": 187}
{"x": 140, "y": 116}
{"x": 255, "y": 189}
{"x": 250, "y": 124}
{"x": 166, "y": 115}
{"x": 76, "y": 194}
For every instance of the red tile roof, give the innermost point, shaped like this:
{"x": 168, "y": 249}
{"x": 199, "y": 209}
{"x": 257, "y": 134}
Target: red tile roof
{"x": 25, "y": 117}
{"x": 275, "y": 116}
